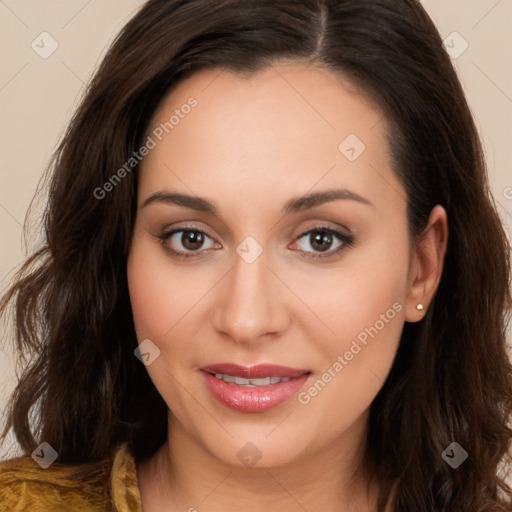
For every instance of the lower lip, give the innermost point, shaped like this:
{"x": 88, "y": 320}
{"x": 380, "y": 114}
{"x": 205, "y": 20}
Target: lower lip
{"x": 255, "y": 399}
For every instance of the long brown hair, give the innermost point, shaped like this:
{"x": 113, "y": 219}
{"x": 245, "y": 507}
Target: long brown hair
{"x": 451, "y": 379}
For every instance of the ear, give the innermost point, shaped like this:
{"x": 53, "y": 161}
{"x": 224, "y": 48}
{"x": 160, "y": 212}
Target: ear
{"x": 427, "y": 264}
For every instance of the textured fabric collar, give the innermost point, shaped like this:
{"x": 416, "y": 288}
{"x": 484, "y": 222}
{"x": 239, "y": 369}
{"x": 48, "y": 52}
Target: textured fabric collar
{"x": 124, "y": 489}
{"x": 106, "y": 486}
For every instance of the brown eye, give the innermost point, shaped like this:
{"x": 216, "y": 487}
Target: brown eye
{"x": 321, "y": 240}
{"x": 192, "y": 240}
{"x": 184, "y": 243}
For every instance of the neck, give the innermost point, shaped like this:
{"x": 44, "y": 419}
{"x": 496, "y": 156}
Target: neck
{"x": 184, "y": 476}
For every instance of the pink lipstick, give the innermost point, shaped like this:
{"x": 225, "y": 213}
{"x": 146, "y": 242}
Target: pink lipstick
{"x": 255, "y": 388}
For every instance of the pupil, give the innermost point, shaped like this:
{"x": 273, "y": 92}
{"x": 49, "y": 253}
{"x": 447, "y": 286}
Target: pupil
{"x": 322, "y": 240}
{"x": 192, "y": 239}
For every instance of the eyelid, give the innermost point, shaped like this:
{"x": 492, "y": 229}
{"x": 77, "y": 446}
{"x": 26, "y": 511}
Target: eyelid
{"x": 169, "y": 231}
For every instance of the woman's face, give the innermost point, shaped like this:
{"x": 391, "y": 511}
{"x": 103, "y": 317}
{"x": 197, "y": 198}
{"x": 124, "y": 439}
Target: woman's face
{"x": 237, "y": 171}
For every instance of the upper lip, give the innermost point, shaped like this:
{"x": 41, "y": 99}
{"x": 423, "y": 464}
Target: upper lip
{"x": 254, "y": 372}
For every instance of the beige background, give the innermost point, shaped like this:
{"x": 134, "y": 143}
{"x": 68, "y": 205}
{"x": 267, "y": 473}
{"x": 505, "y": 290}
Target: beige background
{"x": 37, "y": 97}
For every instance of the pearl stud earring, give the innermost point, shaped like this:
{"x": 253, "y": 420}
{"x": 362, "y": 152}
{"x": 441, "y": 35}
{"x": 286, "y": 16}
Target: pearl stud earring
{"x": 419, "y": 307}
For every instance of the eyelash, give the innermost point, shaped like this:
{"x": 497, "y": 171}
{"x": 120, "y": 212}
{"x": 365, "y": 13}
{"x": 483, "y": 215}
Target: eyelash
{"x": 347, "y": 241}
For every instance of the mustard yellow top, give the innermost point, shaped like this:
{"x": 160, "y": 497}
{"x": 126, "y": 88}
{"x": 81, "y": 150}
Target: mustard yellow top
{"x": 106, "y": 486}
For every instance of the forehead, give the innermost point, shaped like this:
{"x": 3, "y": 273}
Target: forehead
{"x": 289, "y": 99}
{"x": 285, "y": 128}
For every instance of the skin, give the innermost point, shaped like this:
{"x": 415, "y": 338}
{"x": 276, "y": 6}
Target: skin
{"x": 249, "y": 146}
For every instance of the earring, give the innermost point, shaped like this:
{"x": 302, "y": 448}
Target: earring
{"x": 419, "y": 307}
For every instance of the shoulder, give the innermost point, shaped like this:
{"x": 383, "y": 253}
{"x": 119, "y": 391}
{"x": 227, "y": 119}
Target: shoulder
{"x": 108, "y": 485}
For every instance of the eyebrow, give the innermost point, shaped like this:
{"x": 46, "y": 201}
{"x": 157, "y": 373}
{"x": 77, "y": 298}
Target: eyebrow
{"x": 294, "y": 205}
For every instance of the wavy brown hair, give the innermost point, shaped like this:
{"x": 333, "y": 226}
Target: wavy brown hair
{"x": 451, "y": 379}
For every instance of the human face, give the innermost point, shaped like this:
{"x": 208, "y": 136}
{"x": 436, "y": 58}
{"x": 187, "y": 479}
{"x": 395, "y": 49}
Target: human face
{"x": 255, "y": 290}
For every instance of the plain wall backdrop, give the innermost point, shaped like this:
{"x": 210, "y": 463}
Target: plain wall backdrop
{"x": 50, "y": 49}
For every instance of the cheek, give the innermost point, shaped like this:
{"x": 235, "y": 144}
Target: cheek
{"x": 158, "y": 309}
{"x": 145, "y": 294}
{"x": 158, "y": 294}
{"x": 368, "y": 299}
{"x": 364, "y": 307}
{"x": 362, "y": 304}
{"x": 367, "y": 289}
{"x": 165, "y": 299}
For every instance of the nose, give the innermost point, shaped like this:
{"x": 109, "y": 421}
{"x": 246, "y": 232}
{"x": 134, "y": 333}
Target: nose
{"x": 251, "y": 303}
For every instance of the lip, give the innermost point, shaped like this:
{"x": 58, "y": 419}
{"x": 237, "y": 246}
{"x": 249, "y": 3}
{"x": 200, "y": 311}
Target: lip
{"x": 253, "y": 399}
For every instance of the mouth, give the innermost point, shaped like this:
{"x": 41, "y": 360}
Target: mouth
{"x": 250, "y": 383}
{"x": 255, "y": 388}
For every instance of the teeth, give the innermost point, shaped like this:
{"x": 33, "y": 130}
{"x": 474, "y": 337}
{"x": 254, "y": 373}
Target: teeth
{"x": 225, "y": 378}
{"x": 261, "y": 382}
{"x": 240, "y": 381}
